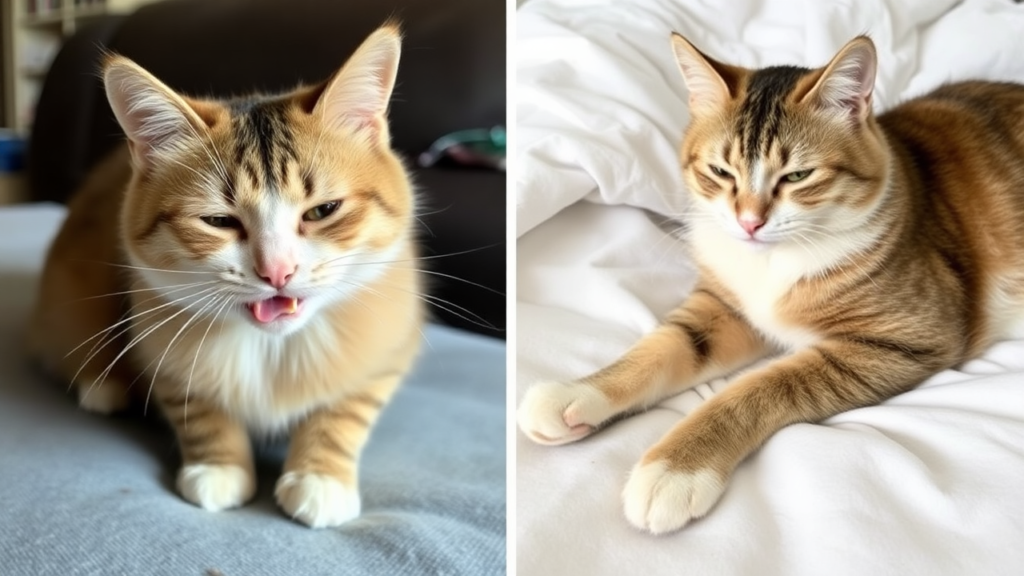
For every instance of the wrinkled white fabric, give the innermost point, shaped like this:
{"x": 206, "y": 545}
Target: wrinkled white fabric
{"x": 601, "y": 106}
{"x": 928, "y": 483}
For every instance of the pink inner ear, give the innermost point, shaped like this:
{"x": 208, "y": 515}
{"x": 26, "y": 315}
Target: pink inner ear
{"x": 357, "y": 97}
{"x": 366, "y": 123}
{"x": 850, "y": 83}
{"x": 153, "y": 116}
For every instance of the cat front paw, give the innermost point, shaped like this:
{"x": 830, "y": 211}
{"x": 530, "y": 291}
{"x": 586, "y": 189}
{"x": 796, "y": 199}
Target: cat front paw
{"x": 216, "y": 487}
{"x": 317, "y": 500}
{"x": 554, "y": 413}
{"x": 661, "y": 500}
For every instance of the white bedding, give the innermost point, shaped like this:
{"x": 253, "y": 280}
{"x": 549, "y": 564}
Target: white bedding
{"x": 928, "y": 483}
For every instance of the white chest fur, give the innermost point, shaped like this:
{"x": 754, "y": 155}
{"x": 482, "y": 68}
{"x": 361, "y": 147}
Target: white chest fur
{"x": 244, "y": 370}
{"x": 761, "y": 277}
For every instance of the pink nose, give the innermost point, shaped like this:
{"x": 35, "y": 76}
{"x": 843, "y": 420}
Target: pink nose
{"x": 751, "y": 223}
{"x": 276, "y": 273}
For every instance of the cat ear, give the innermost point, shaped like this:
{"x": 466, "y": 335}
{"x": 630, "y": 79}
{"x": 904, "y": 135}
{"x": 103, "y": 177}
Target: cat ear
{"x": 846, "y": 85}
{"x": 356, "y": 98}
{"x": 155, "y": 118}
{"x": 710, "y": 83}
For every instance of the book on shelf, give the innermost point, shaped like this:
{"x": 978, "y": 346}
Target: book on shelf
{"x": 39, "y": 7}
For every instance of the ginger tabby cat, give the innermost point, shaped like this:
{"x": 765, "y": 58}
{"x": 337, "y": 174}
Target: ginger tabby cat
{"x": 249, "y": 265}
{"x": 863, "y": 253}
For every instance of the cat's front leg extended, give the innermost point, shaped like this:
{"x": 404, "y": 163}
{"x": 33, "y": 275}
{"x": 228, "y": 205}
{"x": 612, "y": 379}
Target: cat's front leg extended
{"x": 217, "y": 468}
{"x": 702, "y": 339}
{"x": 320, "y": 484}
{"x": 682, "y": 476}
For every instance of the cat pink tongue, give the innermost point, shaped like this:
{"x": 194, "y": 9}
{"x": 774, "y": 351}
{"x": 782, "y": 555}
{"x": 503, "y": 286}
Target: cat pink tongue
{"x": 273, "y": 308}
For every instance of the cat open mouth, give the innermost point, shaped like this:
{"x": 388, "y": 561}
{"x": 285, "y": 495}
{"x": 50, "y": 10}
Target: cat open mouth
{"x": 266, "y": 311}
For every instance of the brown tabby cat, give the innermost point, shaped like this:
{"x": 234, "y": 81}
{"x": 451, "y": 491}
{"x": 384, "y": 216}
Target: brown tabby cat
{"x": 253, "y": 268}
{"x": 871, "y": 252}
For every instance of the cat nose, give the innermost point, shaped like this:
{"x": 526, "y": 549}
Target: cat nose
{"x": 751, "y": 223}
{"x": 277, "y": 273}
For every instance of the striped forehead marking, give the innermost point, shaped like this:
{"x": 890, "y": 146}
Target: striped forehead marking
{"x": 264, "y": 143}
{"x": 762, "y": 111}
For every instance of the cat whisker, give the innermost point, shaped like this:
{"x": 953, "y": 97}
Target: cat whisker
{"x": 425, "y": 227}
{"x": 131, "y": 267}
{"x": 472, "y": 318}
{"x": 825, "y": 232}
{"x": 125, "y": 330}
{"x": 355, "y": 299}
{"x": 450, "y": 254}
{"x": 136, "y": 291}
{"x": 417, "y": 259}
{"x": 212, "y": 300}
{"x": 195, "y": 359}
{"x": 436, "y": 301}
{"x": 443, "y": 275}
{"x": 339, "y": 258}
{"x": 674, "y": 235}
{"x": 106, "y": 371}
{"x": 432, "y": 212}
{"x": 815, "y": 228}
{"x": 151, "y": 362}
{"x": 806, "y": 244}
{"x": 144, "y": 312}
{"x": 418, "y": 216}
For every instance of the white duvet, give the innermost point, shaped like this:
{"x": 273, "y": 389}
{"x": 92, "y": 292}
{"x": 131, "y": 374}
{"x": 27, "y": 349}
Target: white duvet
{"x": 930, "y": 483}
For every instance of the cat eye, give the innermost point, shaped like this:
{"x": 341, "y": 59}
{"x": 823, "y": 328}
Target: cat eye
{"x": 221, "y": 221}
{"x": 798, "y": 175}
{"x": 720, "y": 172}
{"x": 322, "y": 211}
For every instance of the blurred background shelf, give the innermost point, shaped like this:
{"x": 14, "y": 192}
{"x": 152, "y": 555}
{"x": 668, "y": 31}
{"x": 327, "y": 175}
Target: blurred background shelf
{"x": 33, "y": 31}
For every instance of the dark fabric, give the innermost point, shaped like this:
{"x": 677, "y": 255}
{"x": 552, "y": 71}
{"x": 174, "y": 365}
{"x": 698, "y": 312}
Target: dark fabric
{"x": 452, "y": 77}
{"x": 71, "y": 111}
{"x": 472, "y": 202}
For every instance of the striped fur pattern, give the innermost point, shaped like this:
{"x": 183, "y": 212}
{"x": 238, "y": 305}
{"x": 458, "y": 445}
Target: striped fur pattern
{"x": 249, "y": 266}
{"x": 860, "y": 254}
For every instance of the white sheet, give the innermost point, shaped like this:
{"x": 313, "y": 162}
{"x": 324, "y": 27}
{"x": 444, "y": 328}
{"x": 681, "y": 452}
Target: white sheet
{"x": 927, "y": 483}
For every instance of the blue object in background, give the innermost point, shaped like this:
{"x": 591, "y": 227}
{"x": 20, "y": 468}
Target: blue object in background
{"x": 12, "y": 151}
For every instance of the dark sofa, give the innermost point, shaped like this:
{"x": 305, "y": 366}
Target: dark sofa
{"x": 452, "y": 77}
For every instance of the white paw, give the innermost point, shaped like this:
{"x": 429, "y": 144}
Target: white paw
{"x": 660, "y": 500}
{"x": 316, "y": 500}
{"x": 216, "y": 486}
{"x": 554, "y": 413}
{"x": 106, "y": 398}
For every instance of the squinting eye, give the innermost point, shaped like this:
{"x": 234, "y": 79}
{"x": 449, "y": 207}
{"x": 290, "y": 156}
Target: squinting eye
{"x": 221, "y": 221}
{"x": 719, "y": 171}
{"x": 322, "y": 211}
{"x": 798, "y": 176}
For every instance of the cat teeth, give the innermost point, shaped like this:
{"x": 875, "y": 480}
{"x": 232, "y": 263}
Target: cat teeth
{"x": 269, "y": 310}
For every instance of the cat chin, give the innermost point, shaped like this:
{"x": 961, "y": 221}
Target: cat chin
{"x": 281, "y": 326}
{"x": 756, "y": 245}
